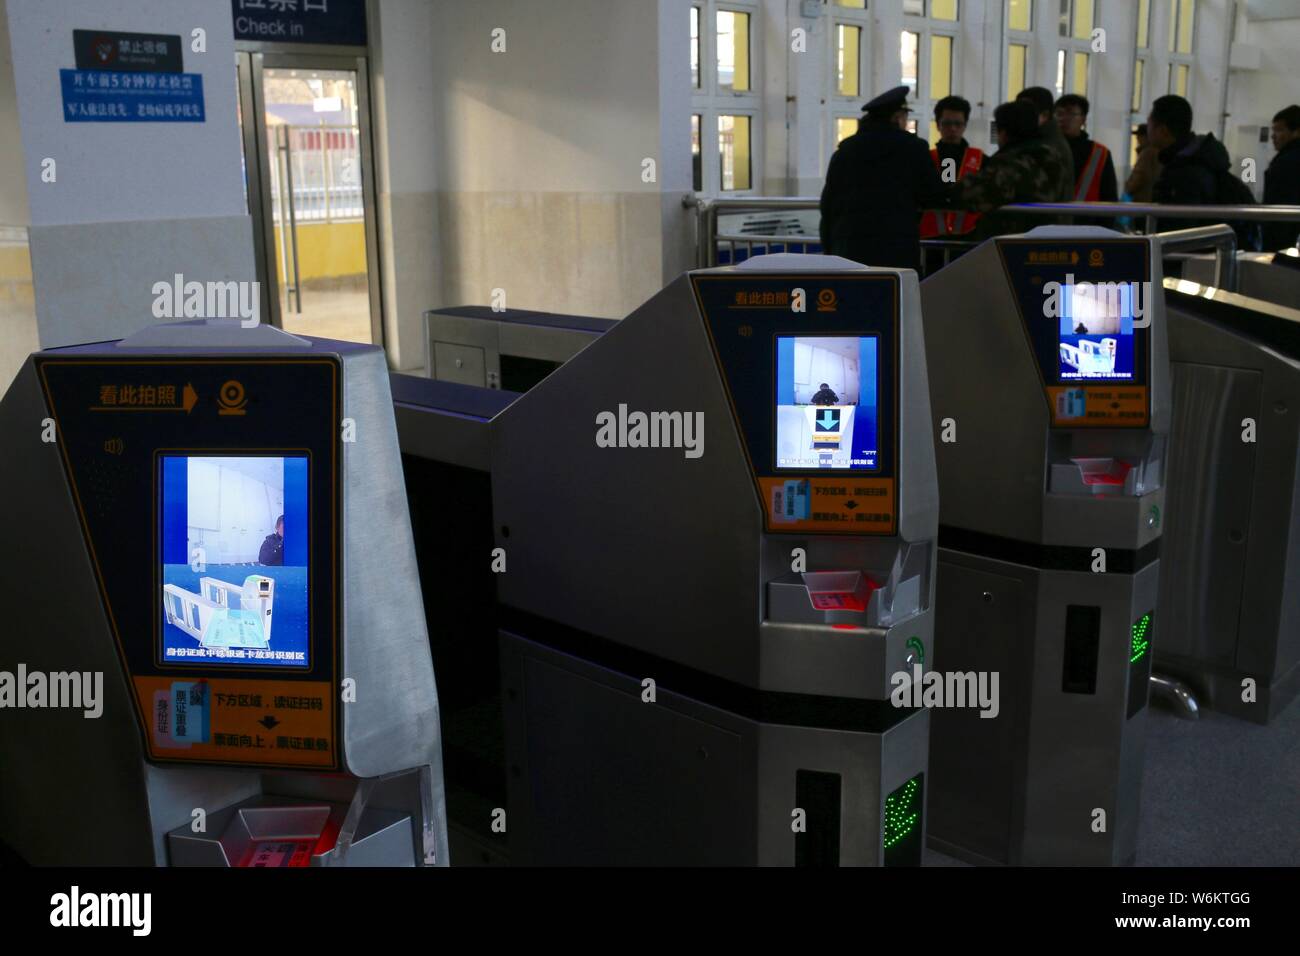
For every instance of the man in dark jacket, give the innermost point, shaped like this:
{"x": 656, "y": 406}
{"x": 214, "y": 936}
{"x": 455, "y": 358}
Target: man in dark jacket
{"x": 1190, "y": 164}
{"x": 1282, "y": 178}
{"x": 1024, "y": 169}
{"x": 272, "y": 551}
{"x": 878, "y": 181}
{"x": 825, "y": 396}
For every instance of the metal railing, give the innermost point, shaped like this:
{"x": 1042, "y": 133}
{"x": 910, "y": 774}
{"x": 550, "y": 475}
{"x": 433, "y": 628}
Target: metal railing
{"x": 710, "y": 243}
{"x": 324, "y": 174}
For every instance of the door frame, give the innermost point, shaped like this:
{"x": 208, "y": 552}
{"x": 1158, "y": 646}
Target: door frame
{"x": 252, "y": 88}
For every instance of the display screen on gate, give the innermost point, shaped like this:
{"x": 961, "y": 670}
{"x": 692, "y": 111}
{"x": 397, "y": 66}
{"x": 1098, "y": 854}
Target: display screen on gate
{"x": 826, "y": 402}
{"x": 234, "y": 560}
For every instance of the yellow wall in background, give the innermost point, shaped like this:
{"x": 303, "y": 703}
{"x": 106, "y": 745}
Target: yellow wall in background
{"x": 15, "y": 263}
{"x": 327, "y": 250}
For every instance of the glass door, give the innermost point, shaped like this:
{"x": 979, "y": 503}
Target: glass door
{"x": 310, "y": 179}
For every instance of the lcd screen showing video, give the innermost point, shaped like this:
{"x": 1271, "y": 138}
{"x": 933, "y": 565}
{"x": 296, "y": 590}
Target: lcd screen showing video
{"x": 1096, "y": 333}
{"x": 826, "y": 403}
{"x": 234, "y": 559}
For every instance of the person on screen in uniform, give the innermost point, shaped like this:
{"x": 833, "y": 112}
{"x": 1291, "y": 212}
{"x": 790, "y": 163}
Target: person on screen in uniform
{"x": 825, "y": 396}
{"x": 272, "y": 552}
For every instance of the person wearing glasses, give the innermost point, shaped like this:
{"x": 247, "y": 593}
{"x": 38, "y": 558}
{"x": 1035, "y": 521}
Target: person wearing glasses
{"x": 954, "y": 158}
{"x": 1094, "y": 169}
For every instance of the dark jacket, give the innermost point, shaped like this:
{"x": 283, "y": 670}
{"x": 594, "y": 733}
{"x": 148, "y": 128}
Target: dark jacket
{"x": 1055, "y": 140}
{"x": 1189, "y": 176}
{"x": 1081, "y": 149}
{"x": 1028, "y": 171}
{"x": 272, "y": 552}
{"x": 825, "y": 396}
{"x": 878, "y": 181}
{"x": 1190, "y": 171}
{"x": 1282, "y": 187}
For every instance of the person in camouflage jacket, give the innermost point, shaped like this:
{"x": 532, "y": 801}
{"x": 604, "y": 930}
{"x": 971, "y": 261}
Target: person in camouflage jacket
{"x": 1024, "y": 169}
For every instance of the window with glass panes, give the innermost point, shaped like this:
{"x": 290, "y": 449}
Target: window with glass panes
{"x": 928, "y": 51}
{"x": 1019, "y": 32}
{"x": 848, "y": 64}
{"x": 1141, "y": 96}
{"x": 1182, "y": 36}
{"x": 1075, "y": 22}
{"x": 724, "y": 101}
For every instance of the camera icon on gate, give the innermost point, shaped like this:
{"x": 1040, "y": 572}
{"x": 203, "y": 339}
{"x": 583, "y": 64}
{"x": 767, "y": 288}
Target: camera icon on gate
{"x": 231, "y": 398}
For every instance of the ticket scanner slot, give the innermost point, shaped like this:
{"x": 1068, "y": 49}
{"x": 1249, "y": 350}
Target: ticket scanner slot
{"x": 854, "y": 598}
{"x": 245, "y": 580}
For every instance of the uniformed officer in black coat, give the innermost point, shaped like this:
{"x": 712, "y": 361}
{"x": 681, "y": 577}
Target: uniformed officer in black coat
{"x": 272, "y": 551}
{"x": 879, "y": 180}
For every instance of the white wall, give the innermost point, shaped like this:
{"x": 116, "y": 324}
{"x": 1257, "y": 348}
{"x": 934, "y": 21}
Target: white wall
{"x": 402, "y": 34}
{"x": 1255, "y": 96}
{"x": 522, "y": 170}
{"x": 132, "y": 203}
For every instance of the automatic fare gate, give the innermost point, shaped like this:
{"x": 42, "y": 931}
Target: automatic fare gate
{"x": 718, "y": 524}
{"x": 1049, "y": 372}
{"x": 1230, "y": 586}
{"x": 213, "y": 522}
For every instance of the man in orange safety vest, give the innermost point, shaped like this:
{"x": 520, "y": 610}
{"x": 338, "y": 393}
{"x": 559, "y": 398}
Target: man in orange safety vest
{"x": 954, "y": 158}
{"x": 1094, "y": 170}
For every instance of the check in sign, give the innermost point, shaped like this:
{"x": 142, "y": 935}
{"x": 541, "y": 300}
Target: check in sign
{"x": 106, "y": 96}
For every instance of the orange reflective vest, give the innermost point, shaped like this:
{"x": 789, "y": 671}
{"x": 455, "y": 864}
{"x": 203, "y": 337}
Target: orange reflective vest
{"x": 1087, "y": 185}
{"x": 935, "y": 223}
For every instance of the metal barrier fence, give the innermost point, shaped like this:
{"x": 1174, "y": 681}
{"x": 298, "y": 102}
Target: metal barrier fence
{"x": 325, "y": 174}
{"x": 714, "y": 248}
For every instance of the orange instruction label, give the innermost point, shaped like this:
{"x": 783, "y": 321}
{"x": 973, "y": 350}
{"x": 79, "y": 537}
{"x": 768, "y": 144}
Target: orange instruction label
{"x": 1102, "y": 405}
{"x": 843, "y": 504}
{"x": 233, "y": 720}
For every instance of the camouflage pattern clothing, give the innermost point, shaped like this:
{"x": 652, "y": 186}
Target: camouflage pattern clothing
{"x": 1028, "y": 171}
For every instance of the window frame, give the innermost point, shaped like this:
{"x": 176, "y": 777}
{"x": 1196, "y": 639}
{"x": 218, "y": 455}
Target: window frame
{"x": 1174, "y": 59}
{"x": 926, "y": 27}
{"x": 839, "y": 107}
{"x": 709, "y": 102}
{"x": 1071, "y": 46}
{"x": 1021, "y": 38}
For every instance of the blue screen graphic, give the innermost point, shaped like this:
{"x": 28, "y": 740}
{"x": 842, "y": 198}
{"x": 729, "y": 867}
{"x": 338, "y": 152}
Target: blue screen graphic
{"x": 234, "y": 561}
{"x": 1096, "y": 333}
{"x": 826, "y": 403}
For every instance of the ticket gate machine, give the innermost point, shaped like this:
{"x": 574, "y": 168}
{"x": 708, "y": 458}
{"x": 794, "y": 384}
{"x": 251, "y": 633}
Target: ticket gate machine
{"x": 212, "y": 520}
{"x": 1051, "y": 401}
{"x": 1230, "y": 579}
{"x": 510, "y": 349}
{"x": 1270, "y": 276}
{"x": 718, "y": 525}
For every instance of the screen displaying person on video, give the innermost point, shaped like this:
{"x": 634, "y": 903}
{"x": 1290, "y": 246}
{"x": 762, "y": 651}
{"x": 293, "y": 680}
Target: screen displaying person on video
{"x": 234, "y": 560}
{"x": 826, "y": 402}
{"x": 1096, "y": 332}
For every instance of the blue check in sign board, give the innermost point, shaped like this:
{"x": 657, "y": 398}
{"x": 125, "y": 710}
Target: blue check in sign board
{"x": 106, "y": 96}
